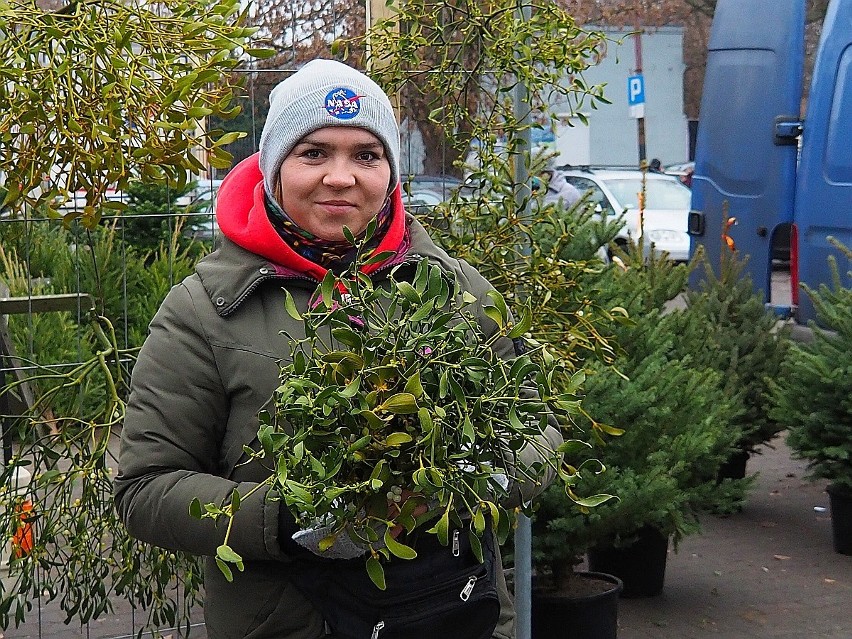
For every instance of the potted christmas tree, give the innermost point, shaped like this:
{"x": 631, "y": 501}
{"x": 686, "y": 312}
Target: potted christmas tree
{"x": 677, "y": 432}
{"x": 812, "y": 399}
{"x": 744, "y": 341}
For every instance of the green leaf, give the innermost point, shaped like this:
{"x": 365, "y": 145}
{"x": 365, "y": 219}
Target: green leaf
{"x": 468, "y": 433}
{"x": 326, "y": 542}
{"x": 503, "y": 529}
{"x": 423, "y": 312}
{"x": 398, "y": 549}
{"x": 378, "y": 470}
{"x": 299, "y": 491}
{"x": 359, "y": 443}
{"x": 226, "y": 553}
{"x": 611, "y": 430}
{"x": 408, "y": 292}
{"x": 195, "y": 509}
{"x": 442, "y": 528}
{"x": 347, "y": 336}
{"x": 376, "y": 573}
{"x": 458, "y": 393}
{"x": 327, "y": 289}
{"x": 400, "y": 404}
{"x": 225, "y": 569}
{"x": 479, "y": 521}
{"x": 500, "y": 305}
{"x": 261, "y": 54}
{"x": 378, "y": 258}
{"x": 523, "y": 325}
{"x": 352, "y": 387}
{"x": 475, "y": 546}
{"x": 373, "y": 420}
{"x": 228, "y": 138}
{"x": 281, "y": 470}
{"x": 425, "y": 419}
{"x": 235, "y": 501}
{"x": 594, "y": 500}
{"x": 414, "y": 386}
{"x": 198, "y": 112}
{"x": 573, "y": 446}
{"x": 398, "y": 439}
{"x": 290, "y": 306}
{"x": 495, "y": 315}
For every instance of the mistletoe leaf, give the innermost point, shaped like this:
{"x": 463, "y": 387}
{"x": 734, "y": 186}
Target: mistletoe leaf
{"x": 376, "y": 573}
{"x": 290, "y": 306}
{"x": 327, "y": 289}
{"x": 398, "y": 549}
{"x": 400, "y": 404}
{"x": 414, "y": 386}
{"x": 398, "y": 439}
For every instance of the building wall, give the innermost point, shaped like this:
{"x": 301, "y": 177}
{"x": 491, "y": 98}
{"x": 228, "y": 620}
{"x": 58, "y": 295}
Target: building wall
{"x": 612, "y": 134}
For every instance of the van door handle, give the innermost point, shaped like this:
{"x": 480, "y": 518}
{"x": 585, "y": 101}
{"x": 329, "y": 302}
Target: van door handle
{"x": 788, "y": 128}
{"x": 695, "y": 223}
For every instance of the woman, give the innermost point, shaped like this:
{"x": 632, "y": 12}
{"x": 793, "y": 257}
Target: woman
{"x": 329, "y": 158}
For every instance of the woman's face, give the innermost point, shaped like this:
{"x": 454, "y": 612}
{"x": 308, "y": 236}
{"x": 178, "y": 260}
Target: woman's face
{"x": 334, "y": 177}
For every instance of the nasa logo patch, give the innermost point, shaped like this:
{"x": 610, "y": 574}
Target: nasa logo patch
{"x": 342, "y": 103}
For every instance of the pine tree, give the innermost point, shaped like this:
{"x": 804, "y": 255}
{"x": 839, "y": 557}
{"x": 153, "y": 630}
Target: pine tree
{"x": 813, "y": 395}
{"x": 741, "y": 339}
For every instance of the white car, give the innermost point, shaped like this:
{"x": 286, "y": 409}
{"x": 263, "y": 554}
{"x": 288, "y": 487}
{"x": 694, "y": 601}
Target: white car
{"x": 663, "y": 219}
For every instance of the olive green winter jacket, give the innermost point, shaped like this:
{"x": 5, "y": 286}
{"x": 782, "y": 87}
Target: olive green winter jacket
{"x": 210, "y": 363}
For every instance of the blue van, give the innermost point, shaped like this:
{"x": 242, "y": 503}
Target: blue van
{"x": 786, "y": 181}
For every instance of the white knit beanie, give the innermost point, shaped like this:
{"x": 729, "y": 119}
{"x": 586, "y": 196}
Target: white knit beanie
{"x": 325, "y": 93}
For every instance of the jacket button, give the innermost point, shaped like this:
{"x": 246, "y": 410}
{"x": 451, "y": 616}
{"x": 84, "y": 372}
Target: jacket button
{"x": 264, "y": 270}
{"x": 220, "y": 301}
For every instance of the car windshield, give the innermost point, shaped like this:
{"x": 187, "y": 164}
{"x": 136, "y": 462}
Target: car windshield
{"x": 659, "y": 194}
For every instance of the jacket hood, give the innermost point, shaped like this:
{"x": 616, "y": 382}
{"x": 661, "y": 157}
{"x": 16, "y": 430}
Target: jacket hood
{"x": 241, "y": 214}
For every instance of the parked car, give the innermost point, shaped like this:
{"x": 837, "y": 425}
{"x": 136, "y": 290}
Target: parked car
{"x": 682, "y": 172}
{"x": 427, "y": 190}
{"x": 663, "y": 216}
{"x": 422, "y": 193}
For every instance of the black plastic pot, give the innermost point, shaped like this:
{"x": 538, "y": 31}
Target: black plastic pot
{"x": 841, "y": 518}
{"x": 734, "y": 467}
{"x": 561, "y": 616}
{"x": 641, "y": 566}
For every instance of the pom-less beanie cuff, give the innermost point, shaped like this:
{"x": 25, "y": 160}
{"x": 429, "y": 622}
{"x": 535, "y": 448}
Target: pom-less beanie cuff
{"x": 325, "y": 93}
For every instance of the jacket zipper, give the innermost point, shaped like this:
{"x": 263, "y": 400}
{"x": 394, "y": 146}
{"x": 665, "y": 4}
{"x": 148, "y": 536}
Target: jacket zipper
{"x": 299, "y": 278}
{"x": 259, "y": 281}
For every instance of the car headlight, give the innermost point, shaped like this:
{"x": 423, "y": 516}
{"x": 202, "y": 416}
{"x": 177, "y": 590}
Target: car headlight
{"x": 663, "y": 236}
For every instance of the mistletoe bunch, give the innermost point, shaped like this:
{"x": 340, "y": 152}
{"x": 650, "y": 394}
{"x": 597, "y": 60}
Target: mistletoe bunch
{"x": 396, "y": 412}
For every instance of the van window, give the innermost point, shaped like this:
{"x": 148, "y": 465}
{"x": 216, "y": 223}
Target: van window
{"x": 838, "y": 160}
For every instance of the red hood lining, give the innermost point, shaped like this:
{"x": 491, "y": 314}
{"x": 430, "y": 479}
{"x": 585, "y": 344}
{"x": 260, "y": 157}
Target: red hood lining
{"x": 246, "y": 222}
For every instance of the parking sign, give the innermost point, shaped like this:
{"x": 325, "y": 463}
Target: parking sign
{"x": 636, "y": 95}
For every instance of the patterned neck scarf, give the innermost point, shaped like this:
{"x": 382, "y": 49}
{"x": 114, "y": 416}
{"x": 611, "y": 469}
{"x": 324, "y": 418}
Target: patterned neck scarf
{"x": 335, "y": 255}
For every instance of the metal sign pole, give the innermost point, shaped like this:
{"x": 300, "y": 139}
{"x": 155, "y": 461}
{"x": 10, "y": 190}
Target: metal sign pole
{"x": 523, "y": 531}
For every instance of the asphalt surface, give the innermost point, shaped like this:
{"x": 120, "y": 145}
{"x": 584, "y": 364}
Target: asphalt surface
{"x": 769, "y": 571}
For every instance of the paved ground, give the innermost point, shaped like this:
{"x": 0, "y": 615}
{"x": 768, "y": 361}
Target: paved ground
{"x": 768, "y": 572}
